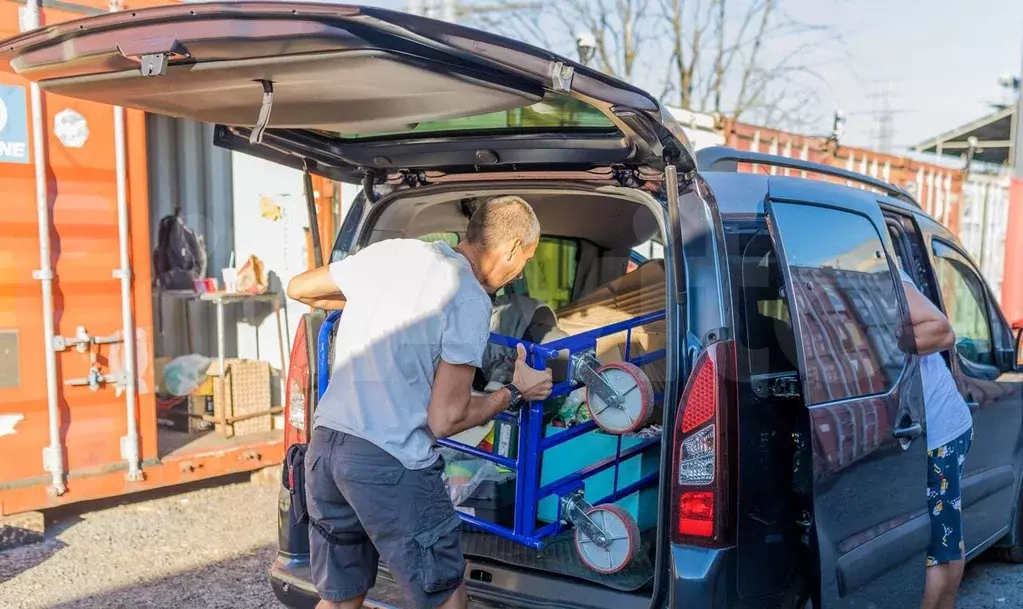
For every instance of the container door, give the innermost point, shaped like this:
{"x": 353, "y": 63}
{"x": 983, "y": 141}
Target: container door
{"x": 81, "y": 186}
{"x": 863, "y": 394}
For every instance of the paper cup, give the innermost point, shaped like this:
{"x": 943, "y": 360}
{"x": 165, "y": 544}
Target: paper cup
{"x": 230, "y": 279}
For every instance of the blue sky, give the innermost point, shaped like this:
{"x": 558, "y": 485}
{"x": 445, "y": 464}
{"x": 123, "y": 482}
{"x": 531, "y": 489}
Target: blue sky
{"x": 941, "y": 58}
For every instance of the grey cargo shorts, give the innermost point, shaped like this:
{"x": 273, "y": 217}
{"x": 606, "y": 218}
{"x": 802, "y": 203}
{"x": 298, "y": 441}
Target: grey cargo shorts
{"x": 364, "y": 505}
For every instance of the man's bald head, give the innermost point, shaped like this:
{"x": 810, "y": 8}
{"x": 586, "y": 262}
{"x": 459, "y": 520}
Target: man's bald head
{"x": 502, "y": 220}
{"x": 501, "y": 238}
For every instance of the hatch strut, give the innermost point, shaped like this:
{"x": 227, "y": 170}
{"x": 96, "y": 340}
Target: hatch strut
{"x": 256, "y": 137}
{"x": 314, "y": 220}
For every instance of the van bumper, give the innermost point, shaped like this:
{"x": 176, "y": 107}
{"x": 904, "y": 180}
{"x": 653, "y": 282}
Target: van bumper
{"x": 701, "y": 577}
{"x": 290, "y": 580}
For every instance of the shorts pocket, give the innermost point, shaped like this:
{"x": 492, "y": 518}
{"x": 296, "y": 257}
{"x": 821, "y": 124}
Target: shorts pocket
{"x": 319, "y": 444}
{"x": 369, "y": 472}
{"x": 440, "y": 555}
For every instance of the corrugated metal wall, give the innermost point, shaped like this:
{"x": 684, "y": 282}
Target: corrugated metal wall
{"x": 187, "y": 171}
{"x": 985, "y": 218}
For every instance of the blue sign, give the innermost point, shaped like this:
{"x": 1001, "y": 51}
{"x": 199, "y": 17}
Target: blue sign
{"x": 13, "y": 125}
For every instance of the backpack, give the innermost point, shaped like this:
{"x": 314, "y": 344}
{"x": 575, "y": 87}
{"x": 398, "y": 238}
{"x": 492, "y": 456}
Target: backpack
{"x": 180, "y": 256}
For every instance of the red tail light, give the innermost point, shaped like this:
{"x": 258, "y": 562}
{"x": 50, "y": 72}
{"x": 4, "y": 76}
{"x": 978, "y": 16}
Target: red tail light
{"x": 299, "y": 396}
{"x": 702, "y": 495}
{"x": 696, "y": 513}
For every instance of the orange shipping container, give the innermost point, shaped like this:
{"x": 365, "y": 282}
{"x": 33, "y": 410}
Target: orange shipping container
{"x": 95, "y": 451}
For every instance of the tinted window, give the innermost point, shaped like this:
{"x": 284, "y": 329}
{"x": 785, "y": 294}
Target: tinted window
{"x": 769, "y": 338}
{"x": 845, "y": 301}
{"x": 550, "y": 275}
{"x": 451, "y": 239}
{"x": 962, "y": 293}
{"x": 554, "y": 113}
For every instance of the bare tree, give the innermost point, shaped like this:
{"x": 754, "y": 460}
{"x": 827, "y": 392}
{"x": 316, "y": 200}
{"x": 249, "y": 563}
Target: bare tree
{"x": 620, "y": 28}
{"x": 742, "y": 58}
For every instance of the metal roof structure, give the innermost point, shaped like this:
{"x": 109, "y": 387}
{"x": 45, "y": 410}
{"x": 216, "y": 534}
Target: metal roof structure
{"x": 993, "y": 133}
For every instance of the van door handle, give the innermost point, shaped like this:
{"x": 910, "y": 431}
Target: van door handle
{"x": 909, "y": 432}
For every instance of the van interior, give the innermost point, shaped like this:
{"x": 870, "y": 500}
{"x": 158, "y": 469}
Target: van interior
{"x": 586, "y": 272}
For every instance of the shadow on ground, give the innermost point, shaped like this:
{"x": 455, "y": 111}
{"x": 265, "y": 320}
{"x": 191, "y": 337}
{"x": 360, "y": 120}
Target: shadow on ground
{"x": 15, "y": 561}
{"x": 237, "y": 583}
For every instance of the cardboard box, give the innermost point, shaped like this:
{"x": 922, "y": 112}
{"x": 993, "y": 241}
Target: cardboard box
{"x": 640, "y": 292}
{"x": 244, "y": 389}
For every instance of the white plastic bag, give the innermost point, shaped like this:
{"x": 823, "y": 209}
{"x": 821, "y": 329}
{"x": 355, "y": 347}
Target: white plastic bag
{"x": 183, "y": 374}
{"x": 464, "y": 474}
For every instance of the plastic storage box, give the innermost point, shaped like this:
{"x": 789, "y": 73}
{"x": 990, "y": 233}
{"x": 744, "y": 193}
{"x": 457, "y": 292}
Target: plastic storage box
{"x": 579, "y": 453}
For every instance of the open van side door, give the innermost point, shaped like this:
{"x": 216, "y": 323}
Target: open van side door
{"x": 862, "y": 392}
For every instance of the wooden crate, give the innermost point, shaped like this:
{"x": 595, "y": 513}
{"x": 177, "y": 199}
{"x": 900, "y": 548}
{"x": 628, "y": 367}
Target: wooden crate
{"x": 242, "y": 403}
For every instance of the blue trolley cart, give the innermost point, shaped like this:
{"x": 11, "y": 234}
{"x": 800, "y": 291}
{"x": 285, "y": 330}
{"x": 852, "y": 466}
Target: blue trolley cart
{"x": 620, "y": 400}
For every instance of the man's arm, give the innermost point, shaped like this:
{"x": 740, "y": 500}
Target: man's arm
{"x": 453, "y": 408}
{"x": 931, "y": 330}
{"x": 317, "y": 289}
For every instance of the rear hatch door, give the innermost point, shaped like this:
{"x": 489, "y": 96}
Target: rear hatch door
{"x": 346, "y": 89}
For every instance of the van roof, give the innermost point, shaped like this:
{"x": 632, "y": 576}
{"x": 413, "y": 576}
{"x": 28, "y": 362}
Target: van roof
{"x": 741, "y": 193}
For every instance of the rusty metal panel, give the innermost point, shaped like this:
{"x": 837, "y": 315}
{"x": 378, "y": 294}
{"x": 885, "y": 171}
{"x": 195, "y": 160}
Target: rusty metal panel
{"x": 10, "y": 356}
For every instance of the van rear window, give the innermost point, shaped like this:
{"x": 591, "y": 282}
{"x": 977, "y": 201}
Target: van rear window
{"x": 554, "y": 113}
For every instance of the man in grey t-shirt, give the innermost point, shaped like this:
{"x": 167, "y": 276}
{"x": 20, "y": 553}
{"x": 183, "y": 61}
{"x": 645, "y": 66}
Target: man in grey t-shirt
{"x": 415, "y": 325}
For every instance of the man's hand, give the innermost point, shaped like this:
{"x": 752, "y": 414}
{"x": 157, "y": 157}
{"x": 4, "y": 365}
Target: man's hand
{"x": 534, "y": 384}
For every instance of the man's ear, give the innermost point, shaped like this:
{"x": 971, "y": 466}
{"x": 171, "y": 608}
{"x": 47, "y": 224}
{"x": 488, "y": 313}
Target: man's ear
{"x": 516, "y": 245}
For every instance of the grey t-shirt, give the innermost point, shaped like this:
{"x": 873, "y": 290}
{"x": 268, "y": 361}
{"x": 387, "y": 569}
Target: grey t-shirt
{"x": 409, "y": 305}
{"x": 948, "y": 416}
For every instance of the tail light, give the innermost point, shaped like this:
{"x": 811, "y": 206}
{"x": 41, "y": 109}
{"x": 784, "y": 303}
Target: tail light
{"x": 298, "y": 396}
{"x": 702, "y": 489}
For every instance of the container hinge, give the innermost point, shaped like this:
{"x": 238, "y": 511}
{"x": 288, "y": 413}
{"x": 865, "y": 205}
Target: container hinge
{"x": 129, "y": 447}
{"x": 561, "y": 77}
{"x": 256, "y": 137}
{"x": 53, "y": 458}
{"x": 82, "y": 340}
{"x": 97, "y": 379}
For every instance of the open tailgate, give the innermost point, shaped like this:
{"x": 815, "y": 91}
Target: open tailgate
{"x": 357, "y": 84}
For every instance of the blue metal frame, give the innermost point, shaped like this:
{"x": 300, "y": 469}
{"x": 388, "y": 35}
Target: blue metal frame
{"x": 532, "y": 443}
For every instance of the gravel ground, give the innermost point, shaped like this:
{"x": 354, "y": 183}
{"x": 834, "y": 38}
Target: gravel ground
{"x": 204, "y": 548}
{"x": 210, "y": 548}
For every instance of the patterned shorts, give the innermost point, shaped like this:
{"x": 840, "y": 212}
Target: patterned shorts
{"x": 945, "y": 499}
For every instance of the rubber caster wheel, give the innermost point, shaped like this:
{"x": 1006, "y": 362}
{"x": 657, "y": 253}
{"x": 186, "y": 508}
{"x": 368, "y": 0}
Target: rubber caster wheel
{"x": 621, "y": 530}
{"x": 638, "y": 399}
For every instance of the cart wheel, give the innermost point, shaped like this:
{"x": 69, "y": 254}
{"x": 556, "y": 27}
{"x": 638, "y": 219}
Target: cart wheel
{"x": 621, "y": 530}
{"x": 638, "y": 395}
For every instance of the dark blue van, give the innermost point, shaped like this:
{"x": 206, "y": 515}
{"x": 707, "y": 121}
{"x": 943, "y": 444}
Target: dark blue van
{"x": 781, "y": 297}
